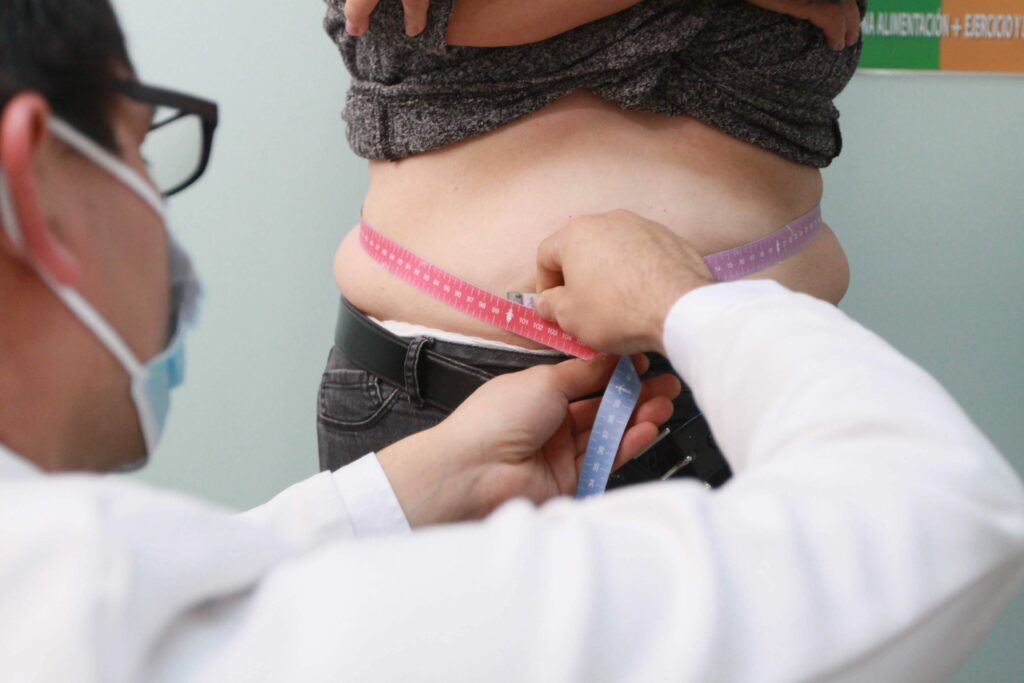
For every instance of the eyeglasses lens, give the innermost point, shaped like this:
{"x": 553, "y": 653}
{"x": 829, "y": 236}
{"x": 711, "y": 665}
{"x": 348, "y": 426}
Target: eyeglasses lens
{"x": 173, "y": 149}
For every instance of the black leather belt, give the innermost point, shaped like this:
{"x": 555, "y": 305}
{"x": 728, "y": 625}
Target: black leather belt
{"x": 428, "y": 377}
{"x": 431, "y": 378}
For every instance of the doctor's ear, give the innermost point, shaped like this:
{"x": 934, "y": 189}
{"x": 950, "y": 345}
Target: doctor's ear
{"x": 24, "y": 143}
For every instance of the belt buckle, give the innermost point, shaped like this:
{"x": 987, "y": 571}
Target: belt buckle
{"x": 695, "y": 444}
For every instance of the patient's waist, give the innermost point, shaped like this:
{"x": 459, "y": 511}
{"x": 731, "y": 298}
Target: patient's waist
{"x": 582, "y": 155}
{"x": 507, "y": 263}
{"x": 480, "y": 208}
{"x": 489, "y": 235}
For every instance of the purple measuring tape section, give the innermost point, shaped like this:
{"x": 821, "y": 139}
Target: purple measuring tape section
{"x": 752, "y": 257}
{"x": 623, "y": 392}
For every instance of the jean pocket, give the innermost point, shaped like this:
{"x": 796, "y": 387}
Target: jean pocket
{"x": 353, "y": 400}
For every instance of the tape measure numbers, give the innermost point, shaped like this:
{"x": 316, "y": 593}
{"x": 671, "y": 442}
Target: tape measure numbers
{"x": 752, "y": 257}
{"x": 617, "y": 405}
{"x": 470, "y": 299}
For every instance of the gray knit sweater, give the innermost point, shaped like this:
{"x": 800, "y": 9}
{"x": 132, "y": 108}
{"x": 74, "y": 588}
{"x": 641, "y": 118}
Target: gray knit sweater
{"x": 759, "y": 76}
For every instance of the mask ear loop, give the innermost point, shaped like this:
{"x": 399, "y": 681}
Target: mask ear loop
{"x": 72, "y": 299}
{"x": 7, "y": 216}
{"x": 108, "y": 163}
{"x": 97, "y": 155}
{"x": 81, "y": 308}
{"x": 135, "y": 182}
{"x": 105, "y": 160}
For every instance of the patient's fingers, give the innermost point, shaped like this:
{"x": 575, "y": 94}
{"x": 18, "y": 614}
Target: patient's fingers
{"x": 357, "y": 16}
{"x": 839, "y": 21}
{"x": 852, "y": 23}
{"x": 415, "y": 16}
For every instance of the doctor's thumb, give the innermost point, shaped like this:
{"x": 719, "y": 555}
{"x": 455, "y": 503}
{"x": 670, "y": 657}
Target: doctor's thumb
{"x": 551, "y": 304}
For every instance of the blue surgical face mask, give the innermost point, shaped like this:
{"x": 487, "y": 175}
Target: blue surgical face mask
{"x": 152, "y": 382}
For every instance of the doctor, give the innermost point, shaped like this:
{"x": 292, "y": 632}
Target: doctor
{"x": 871, "y": 533}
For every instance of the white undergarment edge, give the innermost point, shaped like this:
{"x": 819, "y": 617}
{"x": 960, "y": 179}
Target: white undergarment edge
{"x": 409, "y": 330}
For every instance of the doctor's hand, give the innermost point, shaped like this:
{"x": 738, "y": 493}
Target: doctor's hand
{"x": 519, "y": 435}
{"x": 610, "y": 279}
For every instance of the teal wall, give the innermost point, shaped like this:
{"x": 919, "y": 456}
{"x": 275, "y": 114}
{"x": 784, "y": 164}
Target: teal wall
{"x": 927, "y": 199}
{"x": 262, "y": 225}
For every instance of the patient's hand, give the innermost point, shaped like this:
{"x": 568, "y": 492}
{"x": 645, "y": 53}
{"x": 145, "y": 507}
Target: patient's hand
{"x": 838, "y": 20}
{"x": 492, "y": 23}
{"x": 357, "y": 16}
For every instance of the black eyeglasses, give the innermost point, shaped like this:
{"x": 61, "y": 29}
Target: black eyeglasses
{"x": 180, "y": 140}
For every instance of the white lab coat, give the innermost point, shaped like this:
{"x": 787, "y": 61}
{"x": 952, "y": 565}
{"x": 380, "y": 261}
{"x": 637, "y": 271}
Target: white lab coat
{"x": 871, "y": 533}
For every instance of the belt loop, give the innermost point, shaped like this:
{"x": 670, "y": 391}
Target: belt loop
{"x": 411, "y": 369}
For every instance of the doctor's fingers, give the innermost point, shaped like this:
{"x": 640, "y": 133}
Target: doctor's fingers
{"x": 654, "y": 404}
{"x": 603, "y": 324}
{"x": 636, "y": 439}
{"x": 574, "y": 311}
{"x": 656, "y": 411}
{"x": 549, "y": 263}
{"x": 576, "y": 378}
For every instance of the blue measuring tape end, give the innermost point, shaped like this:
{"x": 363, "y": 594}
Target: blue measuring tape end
{"x": 617, "y": 404}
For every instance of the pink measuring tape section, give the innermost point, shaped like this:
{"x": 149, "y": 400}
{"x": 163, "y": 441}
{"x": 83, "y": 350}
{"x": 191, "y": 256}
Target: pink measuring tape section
{"x": 441, "y": 285}
{"x": 470, "y": 299}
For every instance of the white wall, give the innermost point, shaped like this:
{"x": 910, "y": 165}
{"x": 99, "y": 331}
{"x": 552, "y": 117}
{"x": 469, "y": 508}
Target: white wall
{"x": 263, "y": 224}
{"x": 927, "y": 198}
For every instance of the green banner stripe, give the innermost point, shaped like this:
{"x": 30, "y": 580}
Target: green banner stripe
{"x": 902, "y": 34}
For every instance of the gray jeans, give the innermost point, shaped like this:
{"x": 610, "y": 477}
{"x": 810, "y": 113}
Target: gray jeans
{"x": 358, "y": 412}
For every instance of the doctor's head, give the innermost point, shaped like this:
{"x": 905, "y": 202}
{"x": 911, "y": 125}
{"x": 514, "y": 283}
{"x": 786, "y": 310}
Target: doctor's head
{"x": 90, "y": 284}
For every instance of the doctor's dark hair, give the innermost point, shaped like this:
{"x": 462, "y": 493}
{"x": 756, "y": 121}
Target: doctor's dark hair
{"x": 67, "y": 51}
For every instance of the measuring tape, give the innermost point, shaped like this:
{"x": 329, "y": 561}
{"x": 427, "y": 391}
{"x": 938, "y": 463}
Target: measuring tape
{"x": 613, "y": 415}
{"x": 470, "y": 299}
{"x": 518, "y": 317}
{"x": 752, "y": 257}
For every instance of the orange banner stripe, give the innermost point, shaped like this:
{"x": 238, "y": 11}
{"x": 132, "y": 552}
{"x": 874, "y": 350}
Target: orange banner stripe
{"x": 991, "y": 36}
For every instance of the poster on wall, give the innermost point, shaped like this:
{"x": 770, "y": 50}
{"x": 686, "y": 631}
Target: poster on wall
{"x": 944, "y": 35}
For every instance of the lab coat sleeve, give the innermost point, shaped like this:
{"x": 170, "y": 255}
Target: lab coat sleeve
{"x": 96, "y": 571}
{"x": 354, "y": 501}
{"x": 870, "y": 533}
